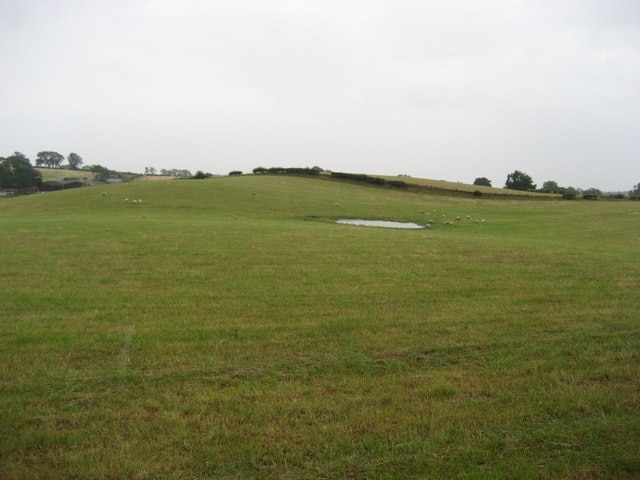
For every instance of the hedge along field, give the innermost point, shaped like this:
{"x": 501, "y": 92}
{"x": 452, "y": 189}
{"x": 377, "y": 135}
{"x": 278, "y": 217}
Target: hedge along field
{"x": 228, "y": 328}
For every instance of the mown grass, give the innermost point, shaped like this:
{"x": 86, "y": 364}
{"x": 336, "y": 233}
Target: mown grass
{"x": 228, "y": 328}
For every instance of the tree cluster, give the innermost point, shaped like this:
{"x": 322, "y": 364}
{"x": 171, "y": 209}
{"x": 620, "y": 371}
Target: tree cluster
{"x": 100, "y": 173}
{"x": 16, "y": 172}
{"x": 55, "y": 159}
{"x": 519, "y": 181}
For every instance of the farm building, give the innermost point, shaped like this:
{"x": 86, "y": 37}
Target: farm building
{"x": 64, "y": 184}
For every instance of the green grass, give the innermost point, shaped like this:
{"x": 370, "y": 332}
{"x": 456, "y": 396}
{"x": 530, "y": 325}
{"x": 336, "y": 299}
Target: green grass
{"x": 228, "y": 328}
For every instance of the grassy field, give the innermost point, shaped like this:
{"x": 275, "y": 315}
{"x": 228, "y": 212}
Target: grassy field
{"x": 62, "y": 173}
{"x": 228, "y": 328}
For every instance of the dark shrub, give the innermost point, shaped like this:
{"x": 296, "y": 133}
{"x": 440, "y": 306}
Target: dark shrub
{"x": 359, "y": 177}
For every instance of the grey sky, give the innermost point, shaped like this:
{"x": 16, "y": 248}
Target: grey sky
{"x": 447, "y": 90}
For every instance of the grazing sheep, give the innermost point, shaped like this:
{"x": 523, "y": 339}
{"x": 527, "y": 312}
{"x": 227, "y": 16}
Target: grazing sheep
{"x": 126, "y": 199}
{"x": 104, "y": 194}
{"x": 448, "y": 222}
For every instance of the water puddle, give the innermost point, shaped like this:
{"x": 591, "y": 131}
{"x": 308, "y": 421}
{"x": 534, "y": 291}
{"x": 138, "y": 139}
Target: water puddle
{"x": 379, "y": 223}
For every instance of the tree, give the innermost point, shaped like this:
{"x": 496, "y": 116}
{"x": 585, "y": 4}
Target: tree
{"x": 484, "y": 181}
{"x": 519, "y": 181}
{"x": 100, "y": 173}
{"x": 16, "y": 171}
{"x": 149, "y": 171}
{"x": 591, "y": 193}
{"x": 75, "y": 161}
{"x": 49, "y": 159}
{"x": 550, "y": 186}
{"x": 636, "y": 189}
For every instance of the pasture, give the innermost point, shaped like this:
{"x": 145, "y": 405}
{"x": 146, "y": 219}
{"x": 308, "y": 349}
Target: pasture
{"x": 228, "y": 328}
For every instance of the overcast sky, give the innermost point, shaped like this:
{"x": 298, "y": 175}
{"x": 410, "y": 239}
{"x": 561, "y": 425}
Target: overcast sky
{"x": 449, "y": 90}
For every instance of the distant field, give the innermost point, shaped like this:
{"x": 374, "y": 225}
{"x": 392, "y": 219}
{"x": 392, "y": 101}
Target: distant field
{"x": 228, "y": 328}
{"x": 60, "y": 173}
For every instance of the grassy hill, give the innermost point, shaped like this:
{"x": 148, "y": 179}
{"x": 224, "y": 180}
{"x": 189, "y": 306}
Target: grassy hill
{"x": 229, "y": 328}
{"x": 426, "y": 185}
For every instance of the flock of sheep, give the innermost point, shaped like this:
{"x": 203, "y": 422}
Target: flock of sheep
{"x": 139, "y": 200}
{"x": 450, "y": 222}
{"x": 126, "y": 200}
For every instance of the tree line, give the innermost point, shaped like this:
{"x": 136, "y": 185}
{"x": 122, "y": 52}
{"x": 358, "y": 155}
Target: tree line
{"x": 518, "y": 180}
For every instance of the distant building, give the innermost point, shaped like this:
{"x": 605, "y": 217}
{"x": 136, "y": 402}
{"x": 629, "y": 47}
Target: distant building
{"x": 65, "y": 184}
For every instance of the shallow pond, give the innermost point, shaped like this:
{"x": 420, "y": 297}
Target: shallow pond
{"x": 379, "y": 223}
